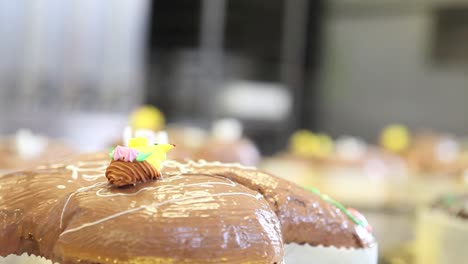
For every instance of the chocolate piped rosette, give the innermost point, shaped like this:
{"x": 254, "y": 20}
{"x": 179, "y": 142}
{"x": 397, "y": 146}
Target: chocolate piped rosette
{"x": 133, "y": 206}
{"x": 140, "y": 162}
{"x": 442, "y": 231}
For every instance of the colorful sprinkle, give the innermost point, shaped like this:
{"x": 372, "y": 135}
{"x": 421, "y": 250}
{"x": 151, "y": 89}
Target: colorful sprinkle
{"x": 361, "y": 218}
{"x": 314, "y": 190}
{"x": 351, "y": 213}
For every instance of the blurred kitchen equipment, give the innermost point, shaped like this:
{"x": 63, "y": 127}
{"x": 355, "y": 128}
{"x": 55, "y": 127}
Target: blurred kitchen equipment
{"x": 66, "y": 58}
{"x": 204, "y": 52}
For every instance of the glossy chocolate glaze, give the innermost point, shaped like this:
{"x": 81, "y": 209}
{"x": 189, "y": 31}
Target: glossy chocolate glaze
{"x": 71, "y": 214}
{"x": 304, "y": 216}
{"x": 199, "y": 213}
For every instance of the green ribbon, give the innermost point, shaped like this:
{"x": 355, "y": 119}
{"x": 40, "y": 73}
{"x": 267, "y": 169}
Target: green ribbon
{"x": 338, "y": 205}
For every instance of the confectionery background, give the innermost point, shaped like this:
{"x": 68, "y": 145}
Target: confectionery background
{"x": 364, "y": 100}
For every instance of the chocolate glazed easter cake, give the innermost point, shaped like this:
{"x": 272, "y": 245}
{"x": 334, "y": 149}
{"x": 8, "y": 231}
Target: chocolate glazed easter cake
{"x": 133, "y": 209}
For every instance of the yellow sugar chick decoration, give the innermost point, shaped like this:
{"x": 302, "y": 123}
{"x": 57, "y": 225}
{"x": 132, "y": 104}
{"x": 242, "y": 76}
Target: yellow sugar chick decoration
{"x": 157, "y": 154}
{"x": 306, "y": 143}
{"x": 147, "y": 117}
{"x": 395, "y": 138}
{"x": 138, "y": 142}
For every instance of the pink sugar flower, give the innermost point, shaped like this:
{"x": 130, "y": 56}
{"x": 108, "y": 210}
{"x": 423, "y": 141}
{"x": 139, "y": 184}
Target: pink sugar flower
{"x": 125, "y": 154}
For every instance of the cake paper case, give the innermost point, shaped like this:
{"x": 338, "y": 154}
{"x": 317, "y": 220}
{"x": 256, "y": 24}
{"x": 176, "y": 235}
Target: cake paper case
{"x": 32, "y": 259}
{"x": 441, "y": 238}
{"x": 24, "y": 259}
{"x": 306, "y": 254}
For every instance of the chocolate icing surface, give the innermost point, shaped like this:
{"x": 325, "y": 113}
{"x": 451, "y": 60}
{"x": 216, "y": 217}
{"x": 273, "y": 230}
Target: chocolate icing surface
{"x": 304, "y": 216}
{"x": 199, "y": 213}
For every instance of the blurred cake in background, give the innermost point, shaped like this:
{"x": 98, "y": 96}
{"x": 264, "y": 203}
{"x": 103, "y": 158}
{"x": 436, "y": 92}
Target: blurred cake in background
{"x": 297, "y": 164}
{"x": 188, "y": 139}
{"x": 347, "y": 169}
{"x": 361, "y": 174}
{"x": 226, "y": 144}
{"x": 27, "y": 150}
{"x": 436, "y": 163}
{"x": 442, "y": 231}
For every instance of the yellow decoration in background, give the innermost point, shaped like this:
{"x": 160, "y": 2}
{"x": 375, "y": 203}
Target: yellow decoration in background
{"x": 147, "y": 117}
{"x": 307, "y": 143}
{"x": 326, "y": 144}
{"x": 395, "y": 138}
